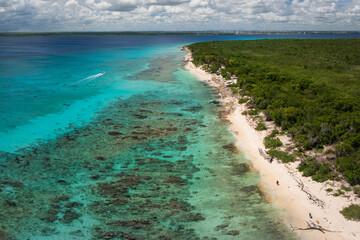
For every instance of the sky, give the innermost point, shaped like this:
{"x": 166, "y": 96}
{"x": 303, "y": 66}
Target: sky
{"x": 178, "y": 15}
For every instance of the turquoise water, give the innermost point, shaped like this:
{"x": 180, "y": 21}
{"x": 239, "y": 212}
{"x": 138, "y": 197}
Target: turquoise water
{"x": 47, "y": 92}
{"x": 140, "y": 152}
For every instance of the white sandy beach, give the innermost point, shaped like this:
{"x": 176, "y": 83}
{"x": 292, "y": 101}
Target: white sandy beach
{"x": 296, "y": 196}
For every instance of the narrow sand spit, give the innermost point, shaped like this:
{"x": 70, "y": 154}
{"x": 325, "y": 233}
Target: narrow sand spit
{"x": 296, "y": 196}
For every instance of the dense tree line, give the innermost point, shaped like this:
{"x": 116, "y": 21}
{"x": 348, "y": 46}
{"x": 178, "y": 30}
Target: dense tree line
{"x": 309, "y": 87}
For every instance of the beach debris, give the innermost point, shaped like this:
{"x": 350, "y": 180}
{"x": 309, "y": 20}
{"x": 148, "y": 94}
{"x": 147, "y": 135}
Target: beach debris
{"x": 311, "y": 197}
{"x": 312, "y": 226}
{"x": 264, "y": 155}
{"x": 318, "y": 202}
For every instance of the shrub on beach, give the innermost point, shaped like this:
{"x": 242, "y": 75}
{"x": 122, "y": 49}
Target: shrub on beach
{"x": 243, "y": 100}
{"x": 338, "y": 192}
{"x": 261, "y": 126}
{"x": 235, "y": 90}
{"x": 352, "y": 212}
{"x": 345, "y": 188}
{"x": 253, "y": 112}
{"x": 356, "y": 190}
{"x": 283, "y": 156}
{"x": 273, "y": 133}
{"x": 319, "y": 172}
{"x": 272, "y": 142}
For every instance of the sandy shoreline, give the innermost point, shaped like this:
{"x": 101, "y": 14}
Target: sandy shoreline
{"x": 296, "y": 196}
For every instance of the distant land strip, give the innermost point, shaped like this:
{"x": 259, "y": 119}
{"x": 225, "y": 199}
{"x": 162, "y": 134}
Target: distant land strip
{"x": 165, "y": 33}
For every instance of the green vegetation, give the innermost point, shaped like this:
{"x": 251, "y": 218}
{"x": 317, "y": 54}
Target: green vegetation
{"x": 356, "y": 190}
{"x": 253, "y": 112}
{"x": 243, "y": 100}
{"x": 271, "y": 142}
{"x": 338, "y": 193}
{"x": 346, "y": 189}
{"x": 283, "y": 156}
{"x": 352, "y": 212}
{"x": 329, "y": 189}
{"x": 261, "y": 126}
{"x": 225, "y": 74}
{"x": 235, "y": 90}
{"x": 273, "y": 133}
{"x": 319, "y": 150}
{"x": 319, "y": 172}
{"x": 308, "y": 87}
{"x": 330, "y": 151}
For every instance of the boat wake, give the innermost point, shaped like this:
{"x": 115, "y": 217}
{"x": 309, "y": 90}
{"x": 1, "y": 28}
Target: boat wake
{"x": 87, "y": 79}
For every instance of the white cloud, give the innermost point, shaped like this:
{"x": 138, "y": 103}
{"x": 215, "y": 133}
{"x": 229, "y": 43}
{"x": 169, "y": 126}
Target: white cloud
{"x": 71, "y": 3}
{"x": 198, "y": 3}
{"x": 166, "y": 2}
{"x": 123, "y": 5}
{"x": 117, "y": 15}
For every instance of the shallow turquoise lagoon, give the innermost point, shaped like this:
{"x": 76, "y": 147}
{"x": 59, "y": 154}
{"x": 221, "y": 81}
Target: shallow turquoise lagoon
{"x": 140, "y": 152}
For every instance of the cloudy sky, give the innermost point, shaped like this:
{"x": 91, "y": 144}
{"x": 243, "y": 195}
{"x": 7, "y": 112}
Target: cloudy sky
{"x": 178, "y": 15}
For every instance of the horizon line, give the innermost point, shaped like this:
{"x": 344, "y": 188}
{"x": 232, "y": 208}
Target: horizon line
{"x": 163, "y": 32}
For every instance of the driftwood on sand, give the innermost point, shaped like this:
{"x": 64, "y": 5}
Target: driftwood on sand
{"x": 318, "y": 202}
{"x": 264, "y": 155}
{"x": 312, "y": 226}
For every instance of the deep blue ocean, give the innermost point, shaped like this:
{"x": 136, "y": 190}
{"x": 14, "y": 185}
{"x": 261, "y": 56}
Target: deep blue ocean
{"x": 109, "y": 137}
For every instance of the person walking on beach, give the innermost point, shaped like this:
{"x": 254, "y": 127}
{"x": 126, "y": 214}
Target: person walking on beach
{"x": 277, "y": 182}
{"x": 310, "y": 216}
